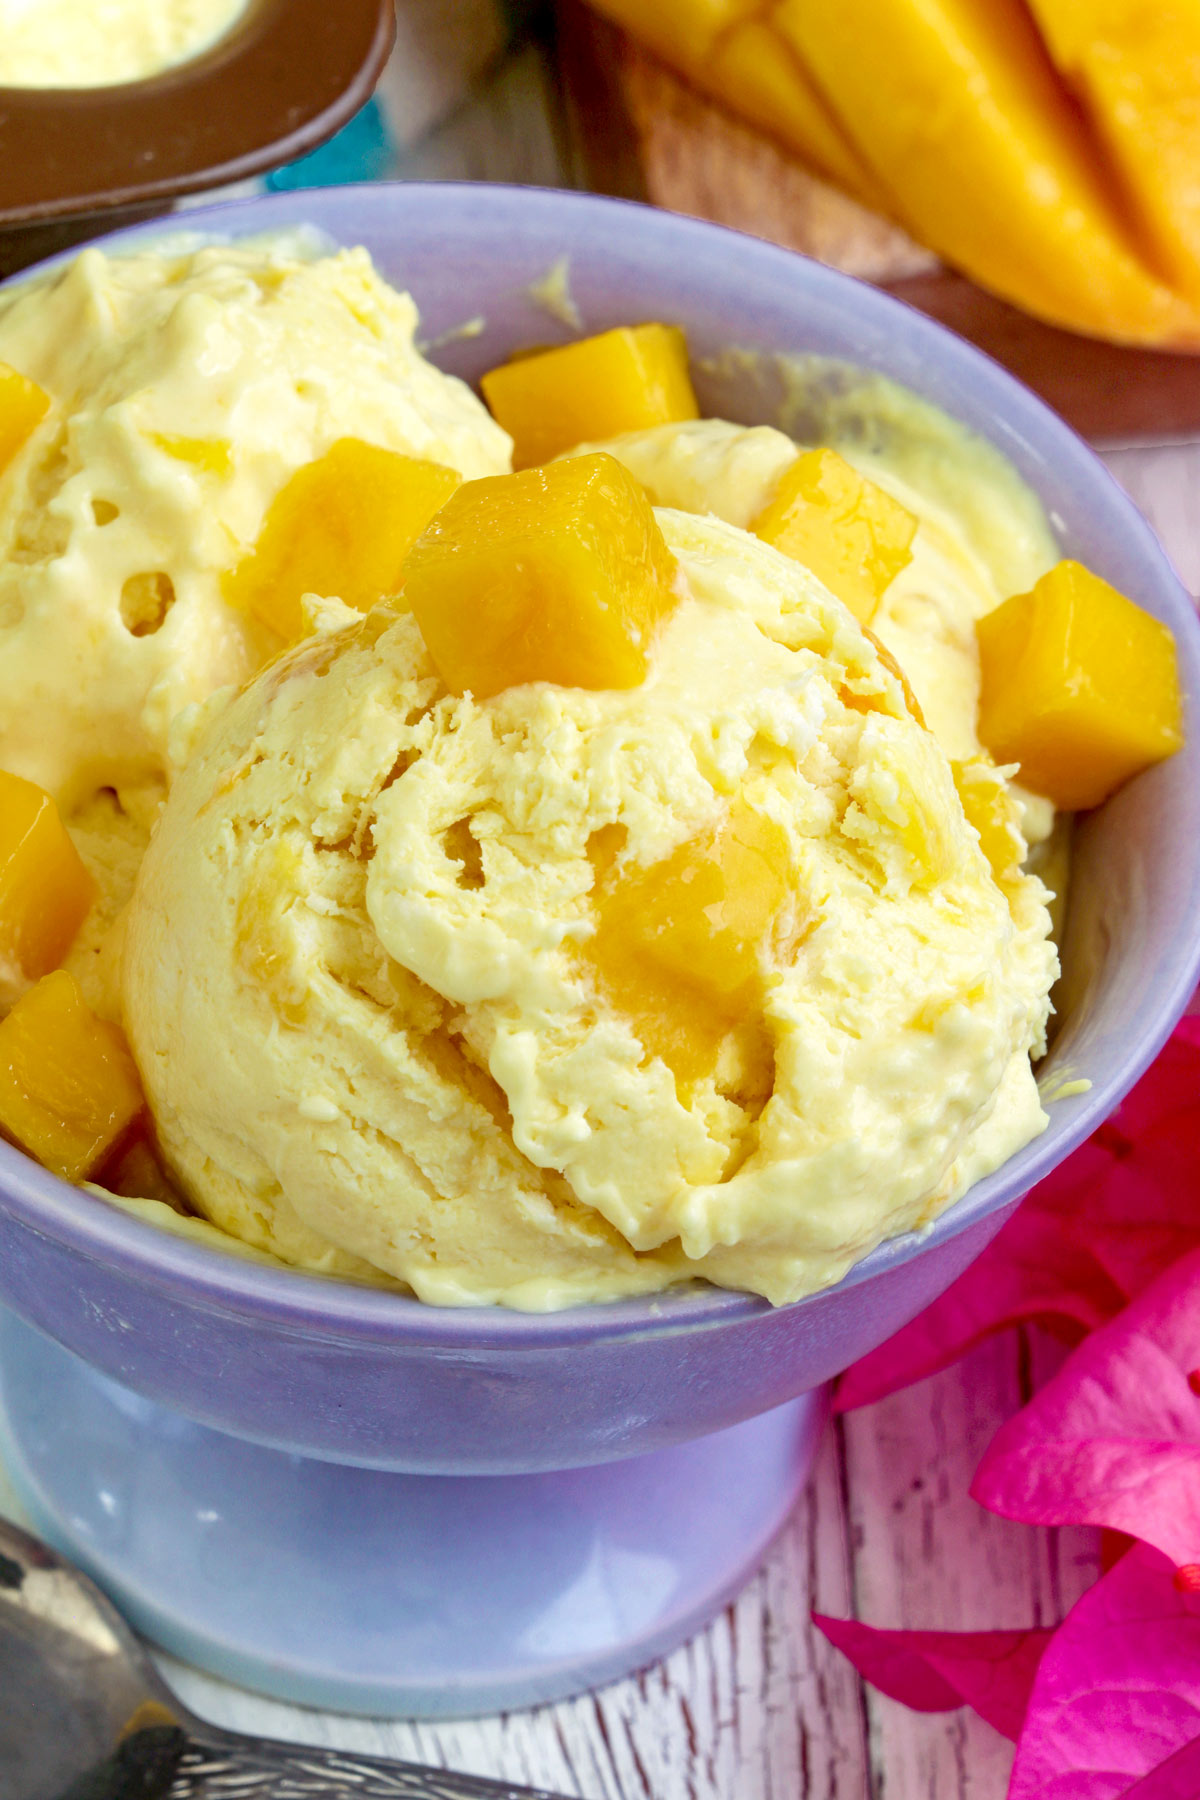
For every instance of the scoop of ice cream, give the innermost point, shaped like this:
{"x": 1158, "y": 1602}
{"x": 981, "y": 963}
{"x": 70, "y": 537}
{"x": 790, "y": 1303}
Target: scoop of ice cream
{"x": 186, "y": 388}
{"x": 927, "y": 615}
{"x": 366, "y": 982}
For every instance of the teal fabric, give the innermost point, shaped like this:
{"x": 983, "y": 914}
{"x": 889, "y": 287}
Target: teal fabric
{"x": 361, "y": 151}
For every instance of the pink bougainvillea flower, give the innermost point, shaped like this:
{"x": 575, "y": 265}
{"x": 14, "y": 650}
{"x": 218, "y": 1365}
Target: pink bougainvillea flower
{"x": 1101, "y": 1226}
{"x": 1113, "y": 1438}
{"x": 1176, "y": 1779}
{"x": 1116, "y": 1697}
{"x": 933, "y": 1671}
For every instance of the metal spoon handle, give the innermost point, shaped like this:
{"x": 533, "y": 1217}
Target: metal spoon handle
{"x": 253, "y": 1770}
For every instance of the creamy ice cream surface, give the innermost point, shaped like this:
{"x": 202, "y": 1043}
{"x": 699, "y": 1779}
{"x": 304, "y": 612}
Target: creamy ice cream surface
{"x": 186, "y": 384}
{"x": 95, "y": 43}
{"x": 365, "y": 969}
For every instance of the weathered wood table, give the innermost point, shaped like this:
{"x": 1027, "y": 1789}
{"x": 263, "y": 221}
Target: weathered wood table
{"x": 758, "y": 1706}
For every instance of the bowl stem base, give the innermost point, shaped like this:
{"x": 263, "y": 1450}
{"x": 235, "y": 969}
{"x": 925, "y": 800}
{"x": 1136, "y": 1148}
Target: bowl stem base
{"x": 416, "y": 1596}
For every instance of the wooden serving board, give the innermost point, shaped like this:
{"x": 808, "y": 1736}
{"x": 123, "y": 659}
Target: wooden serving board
{"x": 636, "y": 129}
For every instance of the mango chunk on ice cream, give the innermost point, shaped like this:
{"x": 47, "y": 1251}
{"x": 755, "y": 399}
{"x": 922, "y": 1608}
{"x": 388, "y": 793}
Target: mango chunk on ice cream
{"x": 341, "y": 526}
{"x": 621, "y": 380}
{"x": 23, "y": 405}
{"x": 556, "y": 574}
{"x": 1079, "y": 686}
{"x": 69, "y": 1090}
{"x": 45, "y": 890}
{"x": 852, "y": 535}
{"x": 681, "y": 945}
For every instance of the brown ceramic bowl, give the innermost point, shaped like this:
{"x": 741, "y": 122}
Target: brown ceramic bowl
{"x": 284, "y": 78}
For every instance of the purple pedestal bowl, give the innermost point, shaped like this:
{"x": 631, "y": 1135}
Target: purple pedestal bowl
{"x": 152, "y": 1452}
{"x": 350, "y": 1375}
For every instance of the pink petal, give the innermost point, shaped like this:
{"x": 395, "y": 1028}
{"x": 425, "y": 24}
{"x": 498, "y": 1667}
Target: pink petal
{"x": 1176, "y": 1779}
{"x": 933, "y": 1671}
{"x": 1117, "y": 1692}
{"x": 1113, "y": 1438}
{"x": 1100, "y": 1227}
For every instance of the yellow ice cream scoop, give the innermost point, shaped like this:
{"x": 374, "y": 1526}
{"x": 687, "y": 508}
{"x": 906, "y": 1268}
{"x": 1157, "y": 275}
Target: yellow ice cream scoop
{"x": 579, "y": 990}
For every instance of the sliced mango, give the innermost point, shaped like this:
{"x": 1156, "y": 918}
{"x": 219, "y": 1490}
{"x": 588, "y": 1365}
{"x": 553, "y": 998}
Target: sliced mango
{"x": 678, "y": 945}
{"x": 846, "y": 529}
{"x": 342, "y": 525}
{"x": 1078, "y": 685}
{"x": 23, "y": 404}
{"x": 623, "y": 380}
{"x": 557, "y": 574}
{"x": 955, "y": 105}
{"x": 45, "y": 891}
{"x": 1136, "y": 69}
{"x": 754, "y": 72}
{"x": 683, "y": 32}
{"x": 68, "y": 1086}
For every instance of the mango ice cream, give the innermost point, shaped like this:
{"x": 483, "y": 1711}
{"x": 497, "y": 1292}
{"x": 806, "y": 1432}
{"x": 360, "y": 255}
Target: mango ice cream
{"x": 641, "y": 908}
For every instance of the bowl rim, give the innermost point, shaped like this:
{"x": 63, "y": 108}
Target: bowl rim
{"x": 335, "y": 1309}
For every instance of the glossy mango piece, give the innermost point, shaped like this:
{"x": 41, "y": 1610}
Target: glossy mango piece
{"x": 341, "y": 526}
{"x": 728, "y": 48}
{"x": 69, "y": 1089}
{"x": 23, "y": 405}
{"x": 956, "y": 107}
{"x": 754, "y": 72}
{"x": 557, "y": 574}
{"x": 45, "y": 891}
{"x": 623, "y": 380}
{"x": 846, "y": 529}
{"x": 1078, "y": 685}
{"x": 678, "y": 945}
{"x": 1136, "y": 70}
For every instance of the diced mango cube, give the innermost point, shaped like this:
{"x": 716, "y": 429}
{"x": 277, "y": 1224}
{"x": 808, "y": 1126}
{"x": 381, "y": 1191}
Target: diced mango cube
{"x": 1079, "y": 686}
{"x": 68, "y": 1086}
{"x": 45, "y": 891}
{"x": 342, "y": 525}
{"x": 846, "y": 529}
{"x": 623, "y": 380}
{"x": 557, "y": 574}
{"x": 678, "y": 945}
{"x": 23, "y": 404}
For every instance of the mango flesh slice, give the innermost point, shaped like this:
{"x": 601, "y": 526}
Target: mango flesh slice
{"x": 846, "y": 529}
{"x": 757, "y": 74}
{"x": 45, "y": 891}
{"x": 68, "y": 1086}
{"x": 1078, "y": 685}
{"x": 955, "y": 104}
{"x": 622, "y": 380}
{"x": 678, "y": 945}
{"x": 23, "y": 404}
{"x": 342, "y": 525}
{"x": 558, "y": 574}
{"x": 1136, "y": 69}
